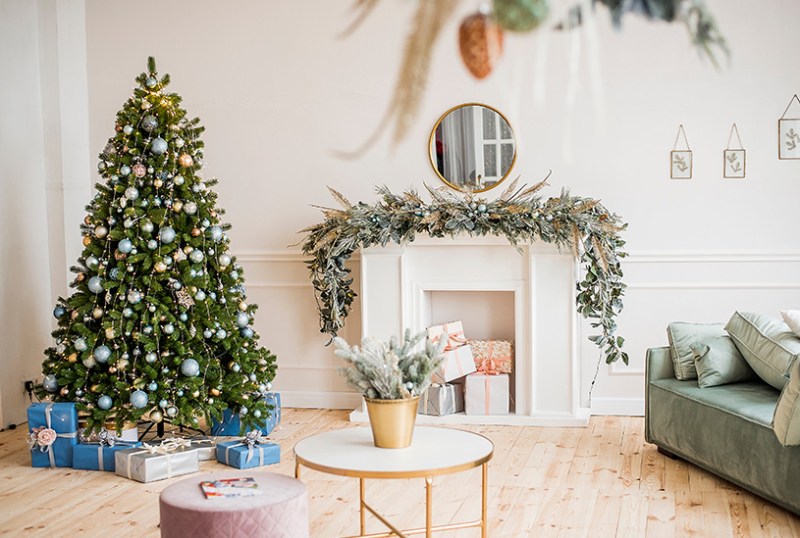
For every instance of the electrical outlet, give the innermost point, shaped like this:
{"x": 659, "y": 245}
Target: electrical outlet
{"x": 28, "y": 385}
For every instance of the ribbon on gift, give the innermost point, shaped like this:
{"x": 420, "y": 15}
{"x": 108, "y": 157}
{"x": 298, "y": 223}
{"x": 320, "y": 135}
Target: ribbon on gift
{"x": 252, "y": 438}
{"x": 102, "y": 443}
{"x": 455, "y": 337}
{"x": 484, "y": 350}
{"x": 487, "y": 366}
{"x": 166, "y": 448}
{"x": 49, "y": 448}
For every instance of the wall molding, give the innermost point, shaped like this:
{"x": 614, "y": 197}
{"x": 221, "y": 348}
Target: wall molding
{"x": 710, "y": 256}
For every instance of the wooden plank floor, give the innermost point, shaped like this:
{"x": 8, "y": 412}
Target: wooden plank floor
{"x": 600, "y": 481}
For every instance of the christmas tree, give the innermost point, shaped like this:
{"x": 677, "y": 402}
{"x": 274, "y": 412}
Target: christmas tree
{"x": 158, "y": 327}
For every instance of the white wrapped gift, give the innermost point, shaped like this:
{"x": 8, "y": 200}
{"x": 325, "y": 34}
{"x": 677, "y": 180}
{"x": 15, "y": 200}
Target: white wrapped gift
{"x": 486, "y": 394}
{"x": 458, "y": 358}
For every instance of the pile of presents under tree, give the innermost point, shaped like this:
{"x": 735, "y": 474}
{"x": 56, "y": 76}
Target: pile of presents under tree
{"x": 57, "y": 440}
{"x": 475, "y": 376}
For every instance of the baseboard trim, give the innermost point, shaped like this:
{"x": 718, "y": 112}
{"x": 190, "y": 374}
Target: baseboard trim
{"x": 618, "y": 406}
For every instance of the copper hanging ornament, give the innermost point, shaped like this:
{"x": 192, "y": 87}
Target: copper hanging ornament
{"x": 481, "y": 43}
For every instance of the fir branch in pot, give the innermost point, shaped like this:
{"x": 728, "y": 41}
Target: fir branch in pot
{"x": 391, "y": 370}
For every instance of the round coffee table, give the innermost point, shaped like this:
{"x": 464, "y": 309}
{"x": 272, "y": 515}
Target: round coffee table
{"x": 434, "y": 451}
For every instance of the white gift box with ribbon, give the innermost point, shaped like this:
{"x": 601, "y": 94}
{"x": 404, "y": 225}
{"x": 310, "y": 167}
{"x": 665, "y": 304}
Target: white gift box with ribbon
{"x": 486, "y": 394}
{"x": 458, "y": 358}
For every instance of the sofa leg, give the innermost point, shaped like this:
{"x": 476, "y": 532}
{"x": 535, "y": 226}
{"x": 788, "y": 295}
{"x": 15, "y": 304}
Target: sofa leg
{"x": 667, "y": 453}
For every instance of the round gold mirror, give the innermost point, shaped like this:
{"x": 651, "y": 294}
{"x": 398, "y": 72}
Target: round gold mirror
{"x": 472, "y": 147}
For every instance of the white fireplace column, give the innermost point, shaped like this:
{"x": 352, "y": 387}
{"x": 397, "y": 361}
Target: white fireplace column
{"x": 396, "y": 286}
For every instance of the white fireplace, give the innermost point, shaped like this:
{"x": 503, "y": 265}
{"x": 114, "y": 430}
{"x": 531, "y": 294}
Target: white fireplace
{"x": 408, "y": 286}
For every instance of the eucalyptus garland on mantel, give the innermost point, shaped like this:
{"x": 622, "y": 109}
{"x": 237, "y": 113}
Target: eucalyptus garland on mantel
{"x": 581, "y": 225}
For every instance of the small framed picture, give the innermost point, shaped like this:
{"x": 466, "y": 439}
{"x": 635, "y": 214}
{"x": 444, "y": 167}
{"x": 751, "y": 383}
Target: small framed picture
{"x": 789, "y": 138}
{"x": 734, "y": 163}
{"x": 680, "y": 164}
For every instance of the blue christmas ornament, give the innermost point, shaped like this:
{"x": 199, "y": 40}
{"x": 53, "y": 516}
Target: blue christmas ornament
{"x": 134, "y": 296}
{"x": 124, "y": 170}
{"x": 138, "y": 399}
{"x": 59, "y": 312}
{"x": 241, "y": 319}
{"x": 125, "y": 246}
{"x": 128, "y": 129}
{"x": 158, "y": 146}
{"x": 50, "y": 383}
{"x": 247, "y": 332}
{"x": 196, "y": 256}
{"x": 151, "y": 82}
{"x": 163, "y": 403}
{"x": 131, "y": 193}
{"x": 127, "y": 312}
{"x": 95, "y": 284}
{"x": 172, "y": 411}
{"x": 167, "y": 235}
{"x": 256, "y": 413}
{"x": 102, "y": 353}
{"x": 200, "y": 295}
{"x": 207, "y": 333}
{"x": 80, "y": 344}
{"x": 153, "y": 386}
{"x": 180, "y": 393}
{"x": 149, "y": 123}
{"x": 92, "y": 262}
{"x": 183, "y": 316}
{"x": 152, "y": 244}
{"x": 114, "y": 274}
{"x": 190, "y": 368}
{"x": 150, "y": 357}
{"x": 216, "y": 233}
{"x": 221, "y": 334}
{"x": 177, "y": 285}
{"x": 243, "y": 410}
{"x": 105, "y": 402}
{"x": 169, "y": 328}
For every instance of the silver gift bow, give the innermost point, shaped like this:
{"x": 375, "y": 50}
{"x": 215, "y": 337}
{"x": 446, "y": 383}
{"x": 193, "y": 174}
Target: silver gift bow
{"x": 252, "y": 438}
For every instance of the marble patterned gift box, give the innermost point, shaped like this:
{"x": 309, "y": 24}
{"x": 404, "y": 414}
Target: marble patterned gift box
{"x": 53, "y": 432}
{"x": 231, "y": 425}
{"x": 486, "y": 394}
{"x": 440, "y": 400}
{"x": 252, "y": 451}
{"x": 99, "y": 456}
{"x": 493, "y": 356}
{"x": 158, "y": 462}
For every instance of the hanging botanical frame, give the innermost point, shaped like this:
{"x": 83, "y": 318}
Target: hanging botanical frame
{"x": 734, "y": 160}
{"x": 680, "y": 160}
{"x": 789, "y": 134}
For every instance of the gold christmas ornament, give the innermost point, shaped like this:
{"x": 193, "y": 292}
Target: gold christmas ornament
{"x": 64, "y": 391}
{"x": 118, "y": 127}
{"x": 110, "y": 334}
{"x": 157, "y": 183}
{"x": 97, "y": 313}
{"x": 188, "y": 249}
{"x": 160, "y": 267}
{"x": 112, "y": 369}
{"x": 87, "y": 220}
{"x": 196, "y": 232}
{"x": 74, "y": 315}
{"x": 177, "y": 206}
{"x": 87, "y": 240}
{"x": 73, "y": 357}
{"x": 480, "y": 41}
{"x": 185, "y": 160}
{"x": 243, "y": 306}
{"x": 215, "y": 392}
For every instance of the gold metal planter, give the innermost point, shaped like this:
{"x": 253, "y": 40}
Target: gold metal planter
{"x": 392, "y": 421}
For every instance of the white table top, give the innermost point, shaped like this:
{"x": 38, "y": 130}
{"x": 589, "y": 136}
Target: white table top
{"x": 433, "y": 451}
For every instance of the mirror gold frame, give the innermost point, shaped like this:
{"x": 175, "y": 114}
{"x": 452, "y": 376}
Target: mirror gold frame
{"x": 469, "y": 147}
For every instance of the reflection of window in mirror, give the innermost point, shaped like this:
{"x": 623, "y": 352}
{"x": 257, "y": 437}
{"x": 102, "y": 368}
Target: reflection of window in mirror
{"x": 472, "y": 147}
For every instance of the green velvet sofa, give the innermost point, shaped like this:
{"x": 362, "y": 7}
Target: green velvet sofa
{"x": 726, "y": 430}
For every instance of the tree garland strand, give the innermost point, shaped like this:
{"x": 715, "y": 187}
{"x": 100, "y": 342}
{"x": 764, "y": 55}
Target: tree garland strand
{"x": 581, "y": 225}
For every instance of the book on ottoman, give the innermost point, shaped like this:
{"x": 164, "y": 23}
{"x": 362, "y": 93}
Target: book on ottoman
{"x": 458, "y": 359}
{"x": 252, "y": 451}
{"x": 486, "y": 394}
{"x": 231, "y": 425}
{"x": 155, "y": 462}
{"x": 439, "y": 400}
{"x": 53, "y": 432}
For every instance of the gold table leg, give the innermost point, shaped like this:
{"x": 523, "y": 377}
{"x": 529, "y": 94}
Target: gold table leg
{"x": 428, "y": 509}
{"x": 484, "y": 484}
{"x": 361, "y": 505}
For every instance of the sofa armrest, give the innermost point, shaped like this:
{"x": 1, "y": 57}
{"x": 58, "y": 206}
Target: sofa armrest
{"x": 658, "y": 364}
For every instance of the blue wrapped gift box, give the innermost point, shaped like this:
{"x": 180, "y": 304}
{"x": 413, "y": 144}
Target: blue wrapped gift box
{"x": 231, "y": 426}
{"x": 243, "y": 456}
{"x": 63, "y": 419}
{"x": 97, "y": 457}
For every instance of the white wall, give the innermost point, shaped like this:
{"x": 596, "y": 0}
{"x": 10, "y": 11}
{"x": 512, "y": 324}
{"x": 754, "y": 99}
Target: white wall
{"x": 279, "y": 92}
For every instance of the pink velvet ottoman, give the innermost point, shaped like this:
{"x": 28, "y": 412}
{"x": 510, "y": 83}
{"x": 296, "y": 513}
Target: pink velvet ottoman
{"x": 281, "y": 511}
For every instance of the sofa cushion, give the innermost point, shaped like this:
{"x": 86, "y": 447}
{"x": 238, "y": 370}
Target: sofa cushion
{"x": 766, "y": 343}
{"x": 718, "y": 362}
{"x": 792, "y": 319}
{"x": 681, "y": 336}
{"x": 786, "y": 422}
